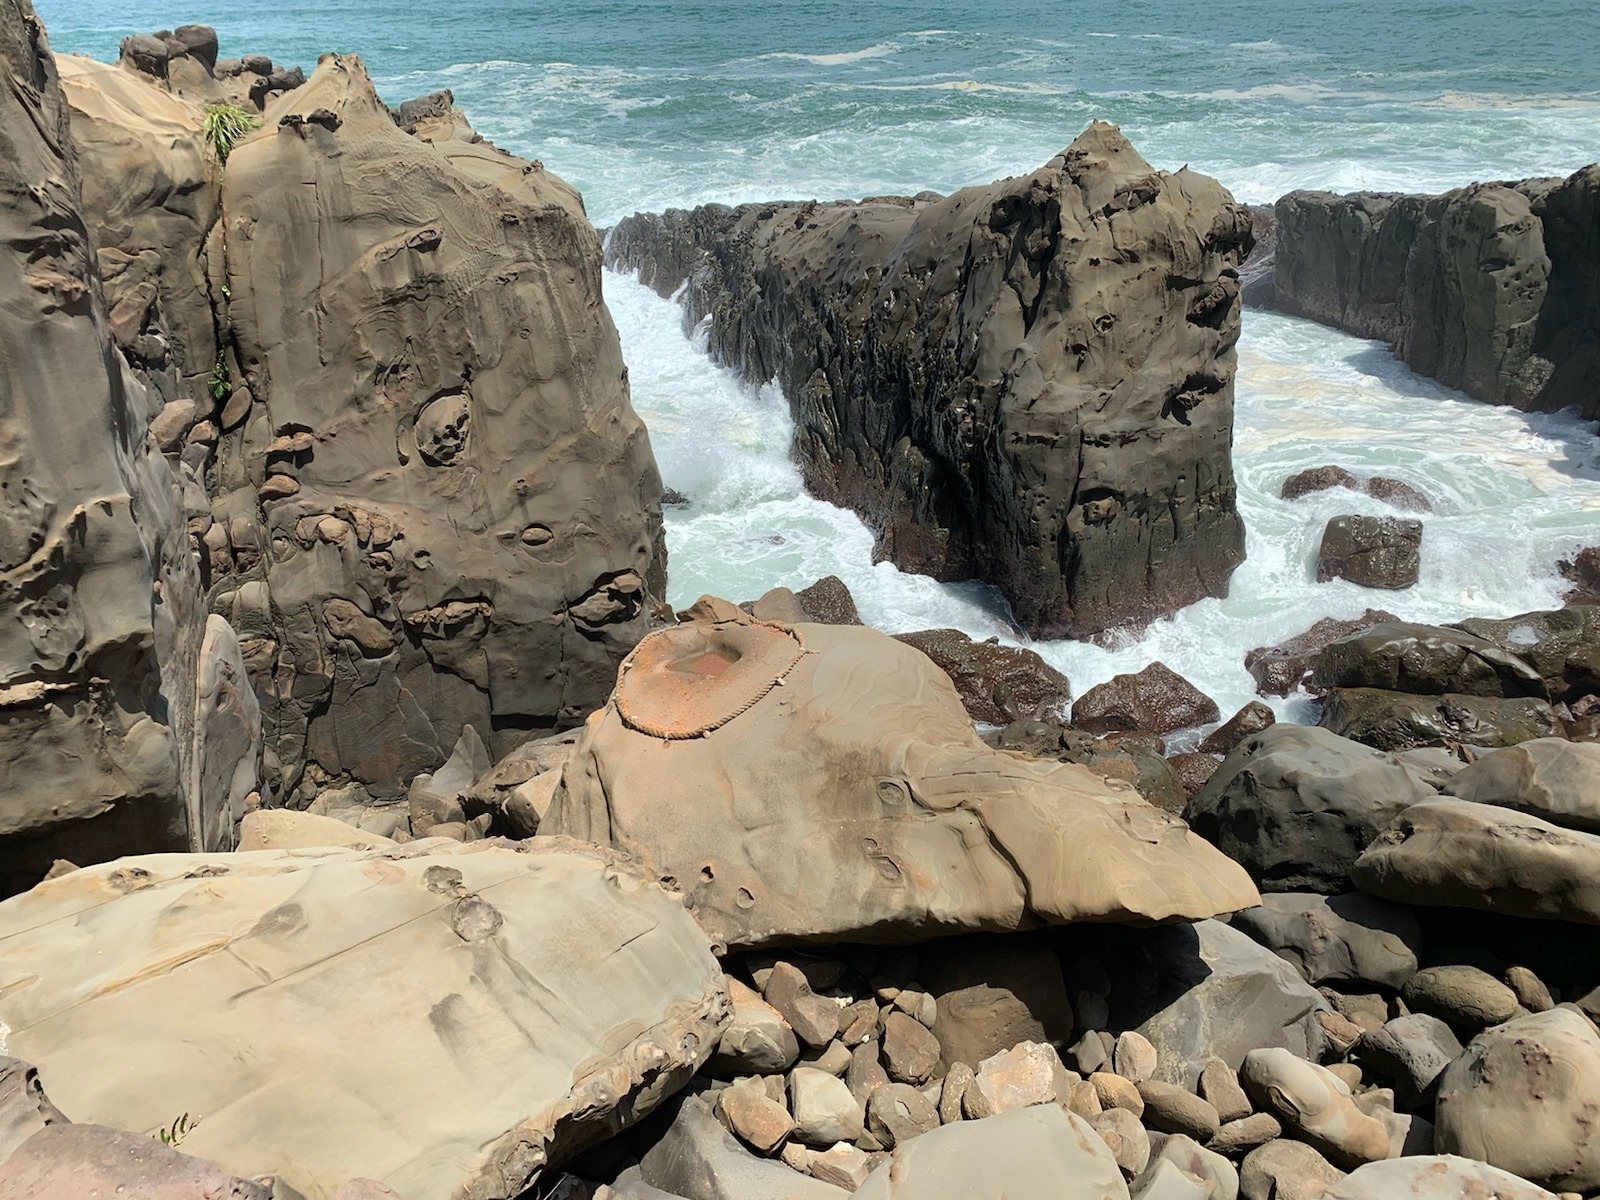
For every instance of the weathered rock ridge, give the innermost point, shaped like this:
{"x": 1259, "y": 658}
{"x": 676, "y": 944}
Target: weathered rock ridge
{"x": 394, "y": 399}
{"x": 1493, "y": 289}
{"x": 1029, "y": 383}
{"x": 127, "y": 719}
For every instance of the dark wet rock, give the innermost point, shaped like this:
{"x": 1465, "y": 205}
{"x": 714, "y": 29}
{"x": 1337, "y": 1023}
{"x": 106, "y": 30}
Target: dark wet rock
{"x": 1583, "y": 570}
{"x": 1490, "y": 289}
{"x": 1563, "y": 646}
{"x": 1398, "y": 494}
{"x": 1424, "y": 660}
{"x": 1194, "y": 770}
{"x": 1315, "y": 479}
{"x": 1021, "y": 451}
{"x": 1297, "y": 806}
{"x": 1398, "y": 721}
{"x": 1155, "y": 700}
{"x": 1251, "y": 719}
{"x": 829, "y": 602}
{"x": 1375, "y": 552}
{"x": 1341, "y": 939}
{"x": 1281, "y": 669}
{"x": 997, "y": 684}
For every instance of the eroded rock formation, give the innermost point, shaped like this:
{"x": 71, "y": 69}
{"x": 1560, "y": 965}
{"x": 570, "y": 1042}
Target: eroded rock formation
{"x": 808, "y": 782}
{"x": 1029, "y": 383}
{"x": 128, "y": 722}
{"x": 1491, "y": 289}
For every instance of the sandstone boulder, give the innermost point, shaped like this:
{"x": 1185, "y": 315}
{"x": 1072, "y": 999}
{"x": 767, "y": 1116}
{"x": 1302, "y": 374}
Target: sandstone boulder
{"x": 24, "y": 1107}
{"x": 544, "y": 996}
{"x": 1041, "y": 1153}
{"x": 1061, "y": 409}
{"x": 817, "y": 781}
{"x": 1298, "y": 805}
{"x": 1316, "y": 1105}
{"x": 1550, "y": 778}
{"x": 1413, "y": 1052}
{"x": 998, "y": 684}
{"x": 1466, "y": 855}
{"x": 1343, "y": 939}
{"x": 1424, "y": 660}
{"x": 129, "y": 725}
{"x": 1155, "y": 700}
{"x": 91, "y": 1161}
{"x": 1375, "y": 552}
{"x": 1523, "y": 1098}
{"x": 1432, "y": 1177}
{"x": 697, "y": 1159}
{"x": 470, "y": 529}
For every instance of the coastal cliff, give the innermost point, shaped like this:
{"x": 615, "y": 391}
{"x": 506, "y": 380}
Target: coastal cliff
{"x": 1029, "y": 383}
{"x": 1493, "y": 289}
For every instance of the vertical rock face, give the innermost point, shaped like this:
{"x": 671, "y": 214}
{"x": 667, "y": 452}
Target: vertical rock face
{"x": 1029, "y": 383}
{"x": 433, "y": 502}
{"x": 1491, "y": 289}
{"x": 124, "y": 719}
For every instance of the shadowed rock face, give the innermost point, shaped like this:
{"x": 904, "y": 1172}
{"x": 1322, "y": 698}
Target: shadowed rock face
{"x": 822, "y": 782}
{"x": 1491, "y": 289}
{"x": 433, "y": 504}
{"x": 127, "y": 721}
{"x": 1029, "y": 383}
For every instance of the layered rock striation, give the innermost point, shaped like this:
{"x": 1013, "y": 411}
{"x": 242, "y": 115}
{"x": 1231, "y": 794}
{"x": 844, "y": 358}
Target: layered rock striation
{"x": 1029, "y": 383}
{"x": 128, "y": 722}
{"x": 1491, "y": 289}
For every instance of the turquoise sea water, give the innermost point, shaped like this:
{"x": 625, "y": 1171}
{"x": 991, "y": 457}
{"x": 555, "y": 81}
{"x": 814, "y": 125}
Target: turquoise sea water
{"x": 648, "y": 104}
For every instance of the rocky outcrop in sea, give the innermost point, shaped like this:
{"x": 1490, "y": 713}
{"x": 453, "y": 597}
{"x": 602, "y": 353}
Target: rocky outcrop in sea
{"x": 1029, "y": 383}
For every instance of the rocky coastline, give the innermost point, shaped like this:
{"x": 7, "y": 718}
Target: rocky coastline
{"x": 371, "y": 828}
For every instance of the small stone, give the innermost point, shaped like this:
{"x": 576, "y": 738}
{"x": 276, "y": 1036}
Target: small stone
{"x": 909, "y": 1051}
{"x": 1347, "y": 1073}
{"x": 814, "y": 1018}
{"x": 753, "y": 1117}
{"x": 1134, "y": 1058}
{"x": 1164, "y": 1180}
{"x": 796, "y": 1157}
{"x": 1113, "y": 1091}
{"x": 957, "y": 1083}
{"x": 1027, "y": 1074}
{"x": 757, "y": 1041}
{"x": 1245, "y": 1134}
{"x": 1286, "y": 1170}
{"x": 843, "y": 1165}
{"x": 1529, "y": 989}
{"x": 1220, "y": 1175}
{"x": 1085, "y": 1100}
{"x": 204, "y": 433}
{"x": 1369, "y": 1010}
{"x": 1171, "y": 1109}
{"x": 834, "y": 1059}
{"x": 865, "y": 1074}
{"x": 278, "y": 487}
{"x": 1219, "y": 1083}
{"x": 1129, "y": 1144}
{"x": 898, "y": 1112}
{"x": 1315, "y": 1104}
{"x": 1466, "y": 997}
{"x": 824, "y": 1110}
{"x": 1342, "y": 1033}
{"x": 236, "y": 409}
{"x": 858, "y": 1023}
{"x": 1088, "y": 1054}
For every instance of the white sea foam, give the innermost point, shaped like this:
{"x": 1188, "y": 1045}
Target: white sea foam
{"x": 882, "y": 50}
{"x": 1512, "y": 493}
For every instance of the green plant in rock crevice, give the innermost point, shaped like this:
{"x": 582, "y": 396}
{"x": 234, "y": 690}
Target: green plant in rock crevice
{"x": 224, "y": 124}
{"x": 221, "y": 379}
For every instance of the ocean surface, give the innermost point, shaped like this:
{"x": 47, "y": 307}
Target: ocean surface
{"x": 645, "y": 104}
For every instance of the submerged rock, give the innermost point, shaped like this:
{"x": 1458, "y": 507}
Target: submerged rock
{"x": 544, "y": 997}
{"x": 892, "y": 819}
{"x": 1281, "y": 669}
{"x": 959, "y": 370}
{"x": 1375, "y": 552}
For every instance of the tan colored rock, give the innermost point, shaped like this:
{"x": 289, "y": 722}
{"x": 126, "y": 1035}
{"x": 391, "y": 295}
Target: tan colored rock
{"x": 1316, "y": 1105}
{"x": 757, "y": 1041}
{"x": 24, "y": 1107}
{"x": 814, "y": 1018}
{"x": 1171, "y": 1109}
{"x": 1286, "y": 1170}
{"x": 1244, "y": 1134}
{"x": 284, "y": 829}
{"x": 1524, "y": 1097}
{"x": 727, "y": 700}
{"x": 69, "y": 1160}
{"x": 1433, "y": 1177}
{"x": 957, "y": 1083}
{"x": 898, "y": 1112}
{"x": 824, "y": 1111}
{"x": 1127, "y": 1140}
{"x": 1219, "y": 1083}
{"x": 841, "y": 1165}
{"x": 444, "y": 344}
{"x": 755, "y": 1118}
{"x": 265, "y": 994}
{"x": 1116, "y": 1092}
{"x": 1038, "y": 1153}
{"x": 865, "y": 1074}
{"x": 1550, "y": 778}
{"x": 1134, "y": 1058}
{"x": 910, "y": 1052}
{"x": 1028, "y": 1074}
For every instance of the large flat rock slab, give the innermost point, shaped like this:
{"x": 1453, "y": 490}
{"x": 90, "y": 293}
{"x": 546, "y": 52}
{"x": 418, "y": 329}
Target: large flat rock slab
{"x": 443, "y": 1018}
{"x": 823, "y": 782}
